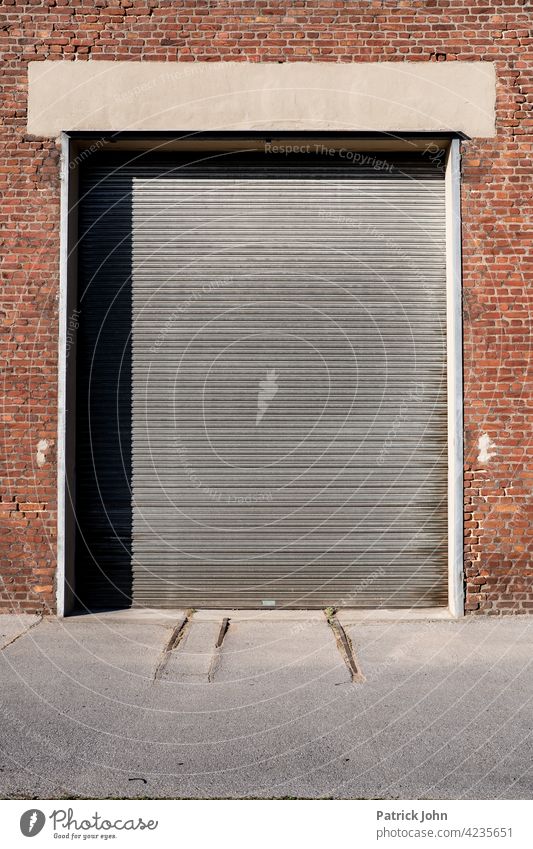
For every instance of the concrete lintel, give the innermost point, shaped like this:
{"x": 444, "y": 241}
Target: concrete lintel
{"x": 203, "y": 96}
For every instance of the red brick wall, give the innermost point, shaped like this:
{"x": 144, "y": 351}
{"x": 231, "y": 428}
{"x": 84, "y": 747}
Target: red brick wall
{"x": 496, "y": 263}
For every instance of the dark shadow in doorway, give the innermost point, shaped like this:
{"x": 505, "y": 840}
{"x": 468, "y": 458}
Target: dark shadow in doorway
{"x": 103, "y": 394}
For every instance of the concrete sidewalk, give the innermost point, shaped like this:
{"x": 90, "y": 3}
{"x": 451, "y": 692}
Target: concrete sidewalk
{"x": 144, "y": 703}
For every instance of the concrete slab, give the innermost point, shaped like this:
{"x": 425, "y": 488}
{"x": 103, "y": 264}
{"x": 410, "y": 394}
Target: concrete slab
{"x": 195, "y": 654}
{"x": 12, "y": 626}
{"x": 133, "y": 614}
{"x": 348, "y": 616}
{"x": 259, "y": 615}
{"x": 456, "y": 690}
{"x": 289, "y": 651}
{"x": 445, "y": 712}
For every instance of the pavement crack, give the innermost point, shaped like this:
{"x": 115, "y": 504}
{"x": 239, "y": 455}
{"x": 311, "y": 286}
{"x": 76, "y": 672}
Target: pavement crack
{"x": 217, "y": 651}
{"x": 22, "y": 633}
{"x": 345, "y": 647}
{"x": 177, "y": 635}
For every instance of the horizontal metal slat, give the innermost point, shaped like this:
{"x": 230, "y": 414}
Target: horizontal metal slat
{"x": 329, "y": 237}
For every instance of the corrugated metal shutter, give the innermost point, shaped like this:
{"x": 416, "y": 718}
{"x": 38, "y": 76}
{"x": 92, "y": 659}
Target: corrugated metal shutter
{"x": 288, "y": 380}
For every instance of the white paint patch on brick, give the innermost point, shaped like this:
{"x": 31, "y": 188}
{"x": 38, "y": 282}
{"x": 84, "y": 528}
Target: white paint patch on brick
{"x": 42, "y": 447}
{"x": 486, "y": 448}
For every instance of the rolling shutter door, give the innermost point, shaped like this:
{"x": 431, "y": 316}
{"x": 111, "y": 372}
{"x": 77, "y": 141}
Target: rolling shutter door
{"x": 281, "y": 401}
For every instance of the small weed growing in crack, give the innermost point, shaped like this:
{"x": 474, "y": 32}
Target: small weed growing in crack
{"x": 330, "y": 613}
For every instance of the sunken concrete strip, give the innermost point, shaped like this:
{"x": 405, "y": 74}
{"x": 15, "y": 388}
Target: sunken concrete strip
{"x": 193, "y": 659}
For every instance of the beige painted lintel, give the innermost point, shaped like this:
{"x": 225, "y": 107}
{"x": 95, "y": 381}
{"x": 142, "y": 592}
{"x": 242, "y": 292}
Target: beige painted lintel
{"x": 368, "y": 96}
